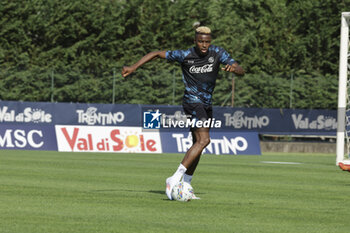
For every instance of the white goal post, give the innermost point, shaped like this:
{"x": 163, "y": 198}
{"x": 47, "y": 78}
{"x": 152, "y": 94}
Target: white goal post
{"x": 343, "y": 131}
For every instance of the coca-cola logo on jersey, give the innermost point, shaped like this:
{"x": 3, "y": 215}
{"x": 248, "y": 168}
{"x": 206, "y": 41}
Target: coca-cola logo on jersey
{"x": 201, "y": 69}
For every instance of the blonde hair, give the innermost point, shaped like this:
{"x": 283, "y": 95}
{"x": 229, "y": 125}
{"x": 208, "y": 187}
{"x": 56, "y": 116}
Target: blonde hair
{"x": 203, "y": 30}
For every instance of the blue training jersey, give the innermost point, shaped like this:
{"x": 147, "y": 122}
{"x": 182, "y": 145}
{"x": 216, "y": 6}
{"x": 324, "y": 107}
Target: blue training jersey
{"x": 200, "y": 72}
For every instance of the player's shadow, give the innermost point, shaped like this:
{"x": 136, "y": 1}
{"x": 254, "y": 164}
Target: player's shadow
{"x": 116, "y": 190}
{"x": 157, "y": 192}
{"x": 160, "y": 192}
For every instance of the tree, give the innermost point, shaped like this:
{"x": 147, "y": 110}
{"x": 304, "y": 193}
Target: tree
{"x": 83, "y": 42}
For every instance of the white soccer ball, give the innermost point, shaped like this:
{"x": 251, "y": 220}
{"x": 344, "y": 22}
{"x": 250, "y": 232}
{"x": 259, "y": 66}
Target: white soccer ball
{"x": 182, "y": 191}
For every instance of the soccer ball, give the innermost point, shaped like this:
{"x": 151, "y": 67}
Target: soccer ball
{"x": 182, "y": 191}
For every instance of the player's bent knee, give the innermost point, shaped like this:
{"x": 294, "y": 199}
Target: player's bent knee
{"x": 204, "y": 142}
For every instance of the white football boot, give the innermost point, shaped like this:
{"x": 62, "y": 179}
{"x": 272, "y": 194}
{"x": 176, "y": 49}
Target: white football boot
{"x": 169, "y": 187}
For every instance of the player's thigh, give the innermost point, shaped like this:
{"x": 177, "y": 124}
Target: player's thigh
{"x": 197, "y": 111}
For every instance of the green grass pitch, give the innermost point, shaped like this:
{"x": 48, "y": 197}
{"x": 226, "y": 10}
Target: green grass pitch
{"x": 103, "y": 192}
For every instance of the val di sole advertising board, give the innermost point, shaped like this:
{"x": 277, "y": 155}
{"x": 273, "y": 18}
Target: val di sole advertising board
{"x": 27, "y": 137}
{"x": 106, "y": 139}
{"x": 234, "y": 143}
{"x": 12, "y": 112}
{"x": 264, "y": 121}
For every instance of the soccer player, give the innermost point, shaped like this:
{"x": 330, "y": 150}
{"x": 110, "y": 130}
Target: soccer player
{"x": 200, "y": 66}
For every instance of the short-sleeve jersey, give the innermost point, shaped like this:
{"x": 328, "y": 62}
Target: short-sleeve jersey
{"x": 200, "y": 72}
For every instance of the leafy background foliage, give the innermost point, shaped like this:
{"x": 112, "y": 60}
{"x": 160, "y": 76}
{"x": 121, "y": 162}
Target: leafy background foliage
{"x": 289, "y": 48}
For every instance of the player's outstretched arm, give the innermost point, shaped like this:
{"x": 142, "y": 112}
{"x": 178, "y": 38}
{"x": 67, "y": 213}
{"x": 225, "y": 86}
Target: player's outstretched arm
{"x": 129, "y": 69}
{"x": 234, "y": 68}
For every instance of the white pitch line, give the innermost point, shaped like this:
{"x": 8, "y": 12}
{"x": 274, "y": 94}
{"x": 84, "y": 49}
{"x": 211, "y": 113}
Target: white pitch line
{"x": 272, "y": 162}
